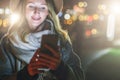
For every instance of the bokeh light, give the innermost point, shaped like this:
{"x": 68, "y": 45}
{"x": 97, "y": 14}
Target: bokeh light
{"x": 14, "y": 18}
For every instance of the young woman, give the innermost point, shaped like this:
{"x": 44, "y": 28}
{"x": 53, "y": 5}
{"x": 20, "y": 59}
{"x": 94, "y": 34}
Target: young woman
{"x": 21, "y": 55}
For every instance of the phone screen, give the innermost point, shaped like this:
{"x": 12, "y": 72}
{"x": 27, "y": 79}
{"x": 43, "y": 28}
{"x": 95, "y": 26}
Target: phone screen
{"x": 51, "y": 40}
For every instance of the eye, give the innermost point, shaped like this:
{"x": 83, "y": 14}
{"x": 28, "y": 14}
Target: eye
{"x": 30, "y": 6}
{"x": 43, "y": 8}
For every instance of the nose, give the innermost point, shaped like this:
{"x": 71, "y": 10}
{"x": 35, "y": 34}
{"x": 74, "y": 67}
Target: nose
{"x": 36, "y": 11}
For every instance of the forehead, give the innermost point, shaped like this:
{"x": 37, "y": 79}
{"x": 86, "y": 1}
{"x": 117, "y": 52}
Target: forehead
{"x": 36, "y": 1}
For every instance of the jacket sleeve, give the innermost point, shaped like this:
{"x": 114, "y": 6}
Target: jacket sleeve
{"x": 7, "y": 65}
{"x": 6, "y": 71}
{"x": 70, "y": 68}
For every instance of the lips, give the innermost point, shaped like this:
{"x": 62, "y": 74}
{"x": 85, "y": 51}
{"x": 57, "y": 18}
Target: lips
{"x": 36, "y": 18}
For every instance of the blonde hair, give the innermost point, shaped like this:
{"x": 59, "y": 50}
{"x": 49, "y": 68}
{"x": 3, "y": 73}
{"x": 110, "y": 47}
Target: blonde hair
{"x": 21, "y": 27}
{"x": 54, "y": 17}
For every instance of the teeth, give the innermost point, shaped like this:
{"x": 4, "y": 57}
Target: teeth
{"x": 35, "y": 18}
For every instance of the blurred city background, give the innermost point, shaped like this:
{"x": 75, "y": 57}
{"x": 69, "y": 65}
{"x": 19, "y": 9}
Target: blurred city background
{"x": 94, "y": 28}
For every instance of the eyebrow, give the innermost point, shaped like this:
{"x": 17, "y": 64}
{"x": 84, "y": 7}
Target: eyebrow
{"x": 33, "y": 3}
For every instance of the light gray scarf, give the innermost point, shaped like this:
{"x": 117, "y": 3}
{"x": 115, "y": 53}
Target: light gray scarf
{"x": 28, "y": 49}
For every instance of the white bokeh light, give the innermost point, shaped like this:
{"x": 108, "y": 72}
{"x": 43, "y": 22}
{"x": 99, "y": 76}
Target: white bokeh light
{"x": 67, "y": 16}
{"x": 14, "y": 18}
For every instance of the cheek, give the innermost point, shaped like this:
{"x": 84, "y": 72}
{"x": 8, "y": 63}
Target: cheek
{"x": 28, "y": 15}
{"x": 45, "y": 15}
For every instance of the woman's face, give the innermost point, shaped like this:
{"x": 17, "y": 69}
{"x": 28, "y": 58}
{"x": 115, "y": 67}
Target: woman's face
{"x": 36, "y": 13}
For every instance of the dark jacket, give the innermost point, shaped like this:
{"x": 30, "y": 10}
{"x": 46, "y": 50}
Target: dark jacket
{"x": 69, "y": 69}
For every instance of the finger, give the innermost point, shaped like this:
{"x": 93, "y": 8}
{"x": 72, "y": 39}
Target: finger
{"x": 42, "y": 59}
{"x": 35, "y": 58}
{"x": 48, "y": 66}
{"x": 50, "y": 58}
{"x": 42, "y": 62}
{"x": 39, "y": 64}
{"x": 32, "y": 71}
{"x": 47, "y": 62}
{"x": 46, "y": 59}
{"x": 36, "y": 54}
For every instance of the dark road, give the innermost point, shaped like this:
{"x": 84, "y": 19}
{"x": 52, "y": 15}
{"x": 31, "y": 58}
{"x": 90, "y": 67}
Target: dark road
{"x": 103, "y": 64}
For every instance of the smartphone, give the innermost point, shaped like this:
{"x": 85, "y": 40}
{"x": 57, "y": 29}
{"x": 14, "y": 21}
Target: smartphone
{"x": 51, "y": 40}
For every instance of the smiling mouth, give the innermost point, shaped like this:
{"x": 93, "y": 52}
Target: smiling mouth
{"x": 36, "y": 18}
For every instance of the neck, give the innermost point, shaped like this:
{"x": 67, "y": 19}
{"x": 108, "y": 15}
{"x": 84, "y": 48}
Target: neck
{"x": 39, "y": 28}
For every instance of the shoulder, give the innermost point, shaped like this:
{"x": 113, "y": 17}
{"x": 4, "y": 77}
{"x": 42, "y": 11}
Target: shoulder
{"x": 3, "y": 49}
{"x": 68, "y": 53}
{"x": 2, "y": 57}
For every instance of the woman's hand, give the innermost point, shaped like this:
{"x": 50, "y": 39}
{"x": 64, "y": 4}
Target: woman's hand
{"x": 42, "y": 60}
